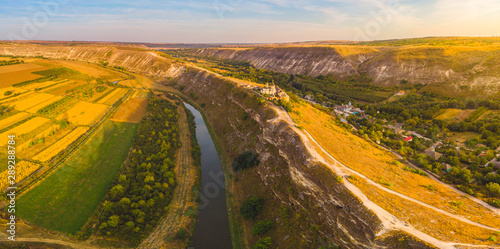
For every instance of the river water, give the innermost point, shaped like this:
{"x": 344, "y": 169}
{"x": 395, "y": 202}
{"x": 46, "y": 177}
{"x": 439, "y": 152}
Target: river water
{"x": 212, "y": 226}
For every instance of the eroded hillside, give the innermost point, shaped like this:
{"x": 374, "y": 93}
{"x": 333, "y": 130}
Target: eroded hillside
{"x": 461, "y": 67}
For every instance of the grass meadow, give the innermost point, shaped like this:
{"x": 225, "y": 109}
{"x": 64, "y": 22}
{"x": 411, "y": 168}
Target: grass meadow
{"x": 67, "y": 198}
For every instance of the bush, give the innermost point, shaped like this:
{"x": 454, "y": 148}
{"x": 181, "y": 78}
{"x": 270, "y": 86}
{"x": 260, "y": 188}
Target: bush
{"x": 181, "y": 234}
{"x": 430, "y": 187}
{"x": 100, "y": 89}
{"x": 492, "y": 238}
{"x": 63, "y": 124}
{"x": 494, "y": 202}
{"x": 263, "y": 243}
{"x": 246, "y": 160}
{"x": 251, "y": 207}
{"x": 7, "y": 93}
{"x": 262, "y": 226}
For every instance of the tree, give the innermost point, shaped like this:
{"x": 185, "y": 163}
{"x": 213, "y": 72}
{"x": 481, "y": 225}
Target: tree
{"x": 262, "y": 226}
{"x": 117, "y": 191}
{"x": 181, "y": 234}
{"x": 493, "y": 188}
{"x": 246, "y": 160}
{"x": 251, "y": 207}
{"x": 263, "y": 243}
{"x": 113, "y": 221}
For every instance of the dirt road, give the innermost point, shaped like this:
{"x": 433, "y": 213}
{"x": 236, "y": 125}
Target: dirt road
{"x": 389, "y": 221}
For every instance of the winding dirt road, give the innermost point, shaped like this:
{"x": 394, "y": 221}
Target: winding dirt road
{"x": 389, "y": 221}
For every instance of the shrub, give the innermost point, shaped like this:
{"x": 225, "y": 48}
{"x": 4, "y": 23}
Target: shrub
{"x": 430, "y": 187}
{"x": 246, "y": 160}
{"x": 263, "y": 243}
{"x": 251, "y": 207}
{"x": 262, "y": 227}
{"x": 181, "y": 234}
{"x": 7, "y": 93}
{"x": 492, "y": 238}
{"x": 100, "y": 89}
{"x": 493, "y": 188}
{"x": 494, "y": 202}
{"x": 63, "y": 124}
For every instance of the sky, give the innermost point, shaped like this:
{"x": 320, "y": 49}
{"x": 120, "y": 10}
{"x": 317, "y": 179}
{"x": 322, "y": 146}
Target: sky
{"x": 244, "y": 21}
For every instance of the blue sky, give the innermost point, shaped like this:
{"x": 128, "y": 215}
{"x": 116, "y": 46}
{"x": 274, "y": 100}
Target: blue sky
{"x": 244, "y": 21}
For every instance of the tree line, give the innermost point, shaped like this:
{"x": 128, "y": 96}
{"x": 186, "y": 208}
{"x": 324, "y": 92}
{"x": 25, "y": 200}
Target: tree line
{"x": 145, "y": 187}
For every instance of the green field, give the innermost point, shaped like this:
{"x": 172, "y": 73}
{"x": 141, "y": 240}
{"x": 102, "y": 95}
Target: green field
{"x": 67, "y": 198}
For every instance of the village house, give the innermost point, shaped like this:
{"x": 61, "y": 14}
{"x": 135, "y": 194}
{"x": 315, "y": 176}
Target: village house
{"x": 431, "y": 151}
{"x": 409, "y": 139}
{"x": 446, "y": 167}
{"x": 396, "y": 128}
{"x": 347, "y": 110}
{"x": 433, "y": 154}
{"x": 400, "y": 93}
{"x": 268, "y": 90}
{"x": 282, "y": 94}
{"x": 495, "y": 162}
{"x": 419, "y": 136}
{"x": 275, "y": 93}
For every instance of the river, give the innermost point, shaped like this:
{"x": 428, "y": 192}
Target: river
{"x": 212, "y": 226}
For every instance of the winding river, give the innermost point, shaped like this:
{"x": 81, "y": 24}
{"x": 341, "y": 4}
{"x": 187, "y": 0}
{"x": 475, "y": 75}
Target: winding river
{"x": 212, "y": 226}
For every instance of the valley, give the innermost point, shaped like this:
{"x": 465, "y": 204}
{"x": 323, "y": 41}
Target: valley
{"x": 107, "y": 147}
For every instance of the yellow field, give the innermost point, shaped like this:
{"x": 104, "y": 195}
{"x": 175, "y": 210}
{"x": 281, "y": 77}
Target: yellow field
{"x": 345, "y": 50}
{"x": 84, "y": 113}
{"x": 23, "y": 169}
{"x": 4, "y": 123}
{"x": 452, "y": 50}
{"x": 93, "y": 70}
{"x": 60, "y": 145}
{"x": 61, "y": 84}
{"x": 98, "y": 95}
{"x": 20, "y": 67}
{"x": 49, "y": 141}
{"x": 21, "y": 96}
{"x": 113, "y": 96}
{"x": 24, "y": 128}
{"x": 131, "y": 111}
{"x": 35, "y": 99}
{"x": 61, "y": 89}
{"x": 18, "y": 73}
{"x": 134, "y": 94}
{"x": 43, "y": 134}
{"x": 39, "y": 85}
{"x": 12, "y": 89}
{"x": 425, "y": 219}
{"x": 103, "y": 100}
{"x": 458, "y": 114}
{"x": 34, "y": 109}
{"x": 376, "y": 164}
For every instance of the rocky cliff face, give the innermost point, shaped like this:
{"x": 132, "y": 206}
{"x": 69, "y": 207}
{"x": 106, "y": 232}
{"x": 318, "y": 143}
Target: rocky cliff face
{"x": 313, "y": 61}
{"x": 134, "y": 59}
{"x": 301, "y": 195}
{"x": 468, "y": 69}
